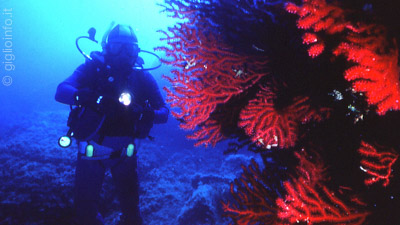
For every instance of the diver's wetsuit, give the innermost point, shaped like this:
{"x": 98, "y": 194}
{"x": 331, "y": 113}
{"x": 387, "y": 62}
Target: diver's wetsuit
{"x": 117, "y": 130}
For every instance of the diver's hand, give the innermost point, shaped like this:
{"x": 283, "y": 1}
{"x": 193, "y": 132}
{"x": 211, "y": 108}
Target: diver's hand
{"x": 148, "y": 115}
{"x": 143, "y": 114}
{"x": 86, "y": 97}
{"x": 144, "y": 118}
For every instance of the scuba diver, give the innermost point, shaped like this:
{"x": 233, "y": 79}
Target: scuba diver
{"x": 114, "y": 102}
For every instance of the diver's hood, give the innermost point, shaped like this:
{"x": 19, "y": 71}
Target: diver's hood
{"x": 122, "y": 34}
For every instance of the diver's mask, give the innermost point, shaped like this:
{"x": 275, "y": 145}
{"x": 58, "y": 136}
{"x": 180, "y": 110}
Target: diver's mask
{"x": 122, "y": 54}
{"x": 118, "y": 48}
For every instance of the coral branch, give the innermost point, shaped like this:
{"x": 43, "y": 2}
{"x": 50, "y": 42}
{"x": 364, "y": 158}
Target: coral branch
{"x": 270, "y": 127}
{"x": 309, "y": 200}
{"x": 310, "y": 168}
{"x": 375, "y": 74}
{"x": 378, "y": 165}
{"x": 315, "y": 204}
{"x": 254, "y": 199}
{"x": 318, "y": 16}
{"x": 210, "y": 133}
{"x": 316, "y": 49}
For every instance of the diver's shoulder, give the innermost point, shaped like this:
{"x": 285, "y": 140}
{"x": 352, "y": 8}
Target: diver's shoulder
{"x": 147, "y": 74}
{"x": 86, "y": 69}
{"x": 96, "y": 61}
{"x": 141, "y": 74}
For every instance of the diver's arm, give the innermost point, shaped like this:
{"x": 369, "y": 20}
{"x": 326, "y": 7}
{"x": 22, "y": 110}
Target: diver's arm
{"x": 67, "y": 89}
{"x": 156, "y": 100}
{"x": 161, "y": 115}
{"x": 65, "y": 93}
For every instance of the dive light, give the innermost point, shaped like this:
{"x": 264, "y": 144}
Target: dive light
{"x": 125, "y": 98}
{"x": 64, "y": 141}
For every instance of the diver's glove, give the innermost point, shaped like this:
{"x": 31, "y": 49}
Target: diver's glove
{"x": 147, "y": 115}
{"x": 144, "y": 117}
{"x": 143, "y": 114}
{"x": 86, "y": 97}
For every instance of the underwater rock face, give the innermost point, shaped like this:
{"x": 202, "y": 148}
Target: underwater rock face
{"x": 200, "y": 208}
{"x": 178, "y": 184}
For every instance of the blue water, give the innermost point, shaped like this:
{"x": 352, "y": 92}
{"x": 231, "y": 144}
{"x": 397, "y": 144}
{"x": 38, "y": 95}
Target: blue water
{"x": 43, "y": 49}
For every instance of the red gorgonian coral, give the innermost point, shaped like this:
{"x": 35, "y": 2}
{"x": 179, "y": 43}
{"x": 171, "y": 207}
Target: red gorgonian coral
{"x": 317, "y": 15}
{"x": 254, "y": 199}
{"x": 315, "y": 204}
{"x": 309, "y": 200}
{"x": 206, "y": 72}
{"x": 376, "y": 71}
{"x": 311, "y": 167}
{"x": 218, "y": 70}
{"x": 271, "y": 127}
{"x": 378, "y": 165}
